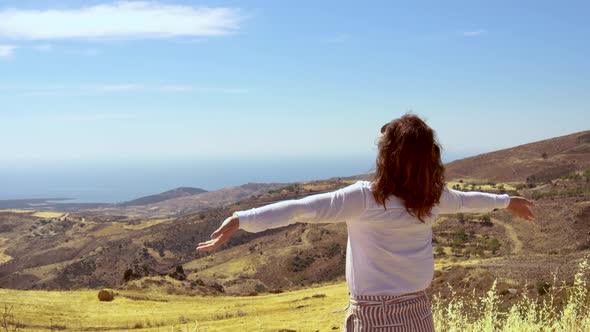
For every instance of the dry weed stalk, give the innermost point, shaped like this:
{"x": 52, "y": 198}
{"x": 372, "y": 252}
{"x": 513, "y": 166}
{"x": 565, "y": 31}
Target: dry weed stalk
{"x": 527, "y": 315}
{"x": 7, "y": 320}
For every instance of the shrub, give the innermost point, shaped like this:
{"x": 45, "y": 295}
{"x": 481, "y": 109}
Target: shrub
{"x": 459, "y": 238}
{"x": 300, "y": 263}
{"x": 259, "y": 288}
{"x": 493, "y": 245}
{"x": 461, "y": 217}
{"x": 543, "y": 287}
{"x": 334, "y": 249}
{"x": 486, "y": 218}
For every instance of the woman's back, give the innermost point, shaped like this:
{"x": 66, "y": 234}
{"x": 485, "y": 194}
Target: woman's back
{"x": 389, "y": 251}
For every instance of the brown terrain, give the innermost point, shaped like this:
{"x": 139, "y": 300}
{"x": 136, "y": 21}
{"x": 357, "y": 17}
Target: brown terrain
{"x": 134, "y": 246}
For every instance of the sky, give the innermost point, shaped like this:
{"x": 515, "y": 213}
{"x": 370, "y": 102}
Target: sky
{"x": 180, "y": 80}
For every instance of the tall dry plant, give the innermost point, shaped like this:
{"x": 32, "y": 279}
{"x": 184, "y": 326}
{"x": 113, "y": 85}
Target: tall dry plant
{"x": 7, "y": 320}
{"x": 527, "y": 315}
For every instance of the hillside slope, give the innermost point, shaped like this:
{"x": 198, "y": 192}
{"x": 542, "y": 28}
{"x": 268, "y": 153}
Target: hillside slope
{"x": 185, "y": 203}
{"x": 533, "y": 162}
{"x": 170, "y": 194}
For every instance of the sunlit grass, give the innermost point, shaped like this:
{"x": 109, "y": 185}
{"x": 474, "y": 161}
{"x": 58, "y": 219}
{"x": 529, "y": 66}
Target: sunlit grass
{"x": 147, "y": 223}
{"x": 16, "y": 211}
{"x": 152, "y": 311}
{"x": 444, "y": 262}
{"x": 47, "y": 214}
{"x": 481, "y": 185}
{"x": 112, "y": 229}
{"x": 483, "y": 314}
{"x": 298, "y": 310}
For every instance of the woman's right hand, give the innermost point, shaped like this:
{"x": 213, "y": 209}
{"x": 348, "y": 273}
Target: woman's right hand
{"x": 519, "y": 206}
{"x": 221, "y": 235}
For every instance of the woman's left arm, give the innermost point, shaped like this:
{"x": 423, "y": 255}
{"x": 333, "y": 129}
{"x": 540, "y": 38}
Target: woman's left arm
{"x": 336, "y": 206}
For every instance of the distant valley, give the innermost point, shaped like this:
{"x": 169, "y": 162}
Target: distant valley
{"x": 140, "y": 244}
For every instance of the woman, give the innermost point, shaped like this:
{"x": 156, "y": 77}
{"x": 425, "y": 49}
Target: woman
{"x": 389, "y": 260}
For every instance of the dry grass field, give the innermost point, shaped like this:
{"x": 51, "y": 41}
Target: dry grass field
{"x": 304, "y": 310}
{"x": 47, "y": 214}
{"x": 146, "y": 223}
{"x": 563, "y": 308}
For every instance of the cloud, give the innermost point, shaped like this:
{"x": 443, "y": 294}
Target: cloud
{"x": 119, "y": 20}
{"x": 97, "y": 117}
{"x": 87, "y": 52}
{"x": 119, "y": 88}
{"x": 193, "y": 41}
{"x": 7, "y": 51}
{"x": 43, "y": 48}
{"x": 102, "y": 89}
{"x": 474, "y": 33}
{"x": 341, "y": 38}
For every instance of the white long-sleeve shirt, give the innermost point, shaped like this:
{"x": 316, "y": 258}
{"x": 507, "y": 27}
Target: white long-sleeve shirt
{"x": 389, "y": 251}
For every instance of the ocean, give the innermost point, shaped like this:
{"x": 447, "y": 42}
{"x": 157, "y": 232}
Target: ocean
{"x": 117, "y": 181}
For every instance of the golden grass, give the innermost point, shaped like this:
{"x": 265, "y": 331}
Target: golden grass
{"x": 47, "y": 214}
{"x": 443, "y": 262}
{"x": 16, "y": 211}
{"x": 77, "y": 310}
{"x": 298, "y": 310}
{"x": 112, "y": 229}
{"x": 147, "y": 223}
{"x": 236, "y": 261}
{"x": 482, "y": 184}
{"x": 527, "y": 315}
{"x": 46, "y": 271}
{"x": 3, "y": 257}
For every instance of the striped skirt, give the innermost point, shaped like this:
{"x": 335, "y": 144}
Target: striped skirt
{"x": 410, "y": 312}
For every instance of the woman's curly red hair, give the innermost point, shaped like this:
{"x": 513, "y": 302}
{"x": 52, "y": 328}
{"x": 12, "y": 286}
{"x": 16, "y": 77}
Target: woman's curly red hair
{"x": 409, "y": 166}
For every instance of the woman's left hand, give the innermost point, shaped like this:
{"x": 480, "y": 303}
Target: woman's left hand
{"x": 221, "y": 235}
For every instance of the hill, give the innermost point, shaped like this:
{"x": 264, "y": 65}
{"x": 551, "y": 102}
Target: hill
{"x": 170, "y": 194}
{"x": 182, "y": 202}
{"x": 536, "y": 162}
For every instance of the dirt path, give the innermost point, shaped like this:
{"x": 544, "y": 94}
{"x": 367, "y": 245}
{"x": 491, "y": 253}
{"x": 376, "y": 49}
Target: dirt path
{"x": 3, "y": 257}
{"x": 511, "y": 233}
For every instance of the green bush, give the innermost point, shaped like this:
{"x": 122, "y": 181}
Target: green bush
{"x": 486, "y": 218}
{"x": 334, "y": 249}
{"x": 300, "y": 263}
{"x": 459, "y": 238}
{"x": 493, "y": 245}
